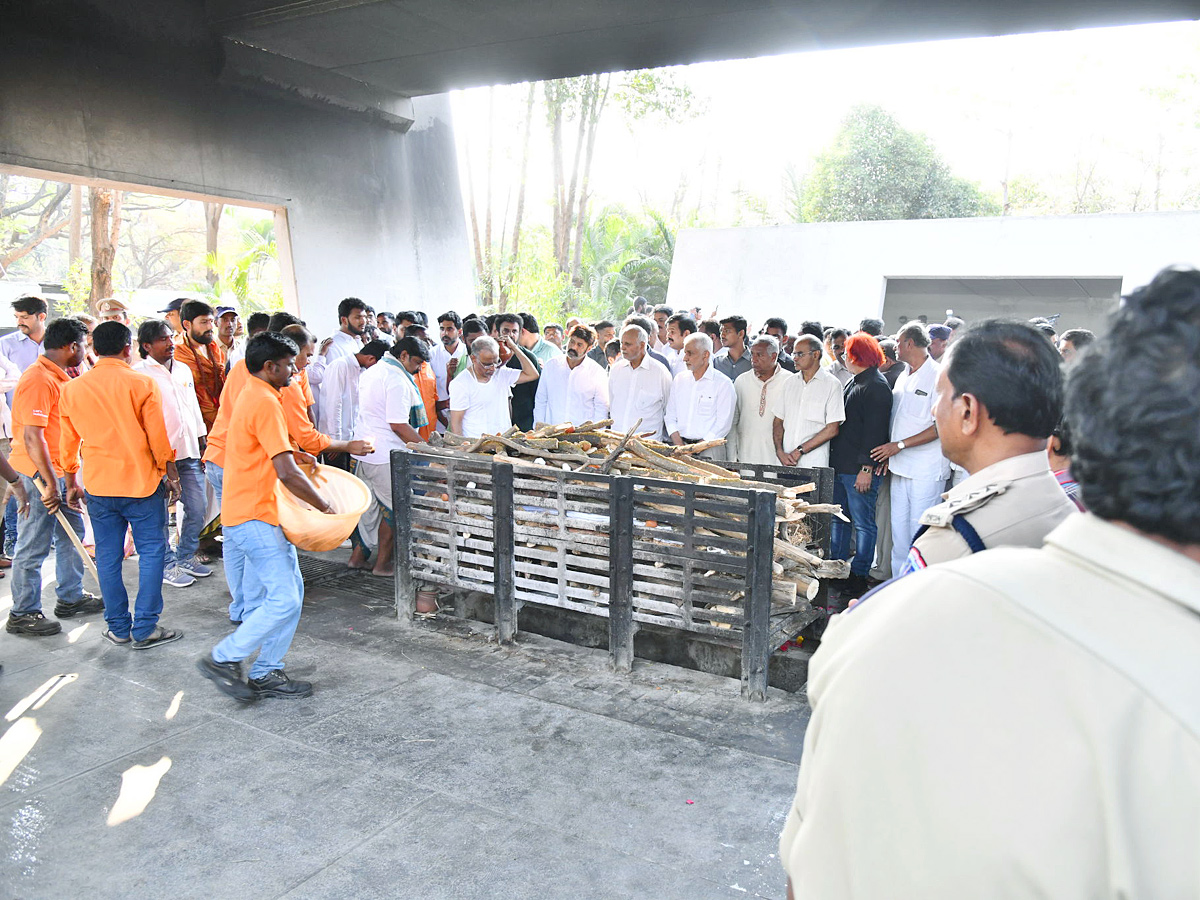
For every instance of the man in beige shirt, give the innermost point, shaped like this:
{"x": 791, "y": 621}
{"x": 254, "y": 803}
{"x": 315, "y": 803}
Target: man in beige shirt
{"x": 1025, "y": 722}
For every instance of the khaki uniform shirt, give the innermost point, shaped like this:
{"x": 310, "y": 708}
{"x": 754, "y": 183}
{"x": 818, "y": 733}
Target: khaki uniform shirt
{"x": 1013, "y": 503}
{"x": 1018, "y": 724}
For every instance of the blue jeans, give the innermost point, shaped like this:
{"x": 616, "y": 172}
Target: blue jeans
{"x": 216, "y": 477}
{"x": 861, "y": 509}
{"x": 10, "y": 525}
{"x": 268, "y": 593}
{"x": 195, "y": 510}
{"x": 147, "y": 516}
{"x": 38, "y": 529}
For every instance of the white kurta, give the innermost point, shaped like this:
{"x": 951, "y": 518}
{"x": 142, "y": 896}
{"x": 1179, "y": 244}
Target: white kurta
{"x": 574, "y": 395}
{"x": 339, "y": 409}
{"x": 751, "y": 437}
{"x": 701, "y": 409}
{"x": 806, "y": 407}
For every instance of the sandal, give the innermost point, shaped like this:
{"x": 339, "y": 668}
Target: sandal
{"x": 113, "y": 639}
{"x": 160, "y": 635}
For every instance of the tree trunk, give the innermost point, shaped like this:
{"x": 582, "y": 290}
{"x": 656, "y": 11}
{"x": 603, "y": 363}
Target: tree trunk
{"x": 474, "y": 214}
{"x": 520, "y": 214}
{"x": 487, "y": 227}
{"x": 212, "y": 228}
{"x": 555, "y": 93}
{"x": 106, "y": 230}
{"x": 75, "y": 244}
{"x": 586, "y": 103}
{"x": 593, "y": 125}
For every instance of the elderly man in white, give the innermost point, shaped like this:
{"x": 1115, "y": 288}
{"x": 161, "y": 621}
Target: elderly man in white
{"x": 638, "y": 386}
{"x": 810, "y": 409}
{"x": 702, "y": 399}
{"x": 751, "y": 438}
{"x": 481, "y": 395}
{"x": 573, "y": 387}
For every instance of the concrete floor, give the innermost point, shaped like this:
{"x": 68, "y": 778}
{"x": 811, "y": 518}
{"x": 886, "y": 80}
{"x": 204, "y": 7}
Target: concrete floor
{"x": 429, "y": 763}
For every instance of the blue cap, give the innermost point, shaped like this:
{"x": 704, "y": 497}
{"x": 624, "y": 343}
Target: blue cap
{"x": 940, "y": 332}
{"x": 175, "y": 305}
{"x": 221, "y": 310}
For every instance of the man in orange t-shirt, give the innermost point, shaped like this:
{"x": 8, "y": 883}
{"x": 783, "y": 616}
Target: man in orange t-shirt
{"x": 116, "y": 416}
{"x": 201, "y": 352}
{"x": 260, "y": 563}
{"x": 298, "y": 401}
{"x": 36, "y": 454}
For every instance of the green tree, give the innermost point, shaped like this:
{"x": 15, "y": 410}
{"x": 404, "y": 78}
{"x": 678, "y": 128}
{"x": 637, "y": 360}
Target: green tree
{"x": 876, "y": 169}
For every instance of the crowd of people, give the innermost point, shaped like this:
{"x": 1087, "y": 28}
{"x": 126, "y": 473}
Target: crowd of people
{"x": 197, "y": 432}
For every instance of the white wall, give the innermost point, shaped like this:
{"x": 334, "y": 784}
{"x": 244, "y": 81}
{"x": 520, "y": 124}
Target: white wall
{"x": 837, "y": 272}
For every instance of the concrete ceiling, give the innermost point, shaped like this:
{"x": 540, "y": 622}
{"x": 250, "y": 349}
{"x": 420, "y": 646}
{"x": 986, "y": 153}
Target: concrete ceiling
{"x": 414, "y": 47}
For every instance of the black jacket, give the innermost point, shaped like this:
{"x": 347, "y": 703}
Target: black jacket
{"x": 523, "y": 394}
{"x": 868, "y": 402}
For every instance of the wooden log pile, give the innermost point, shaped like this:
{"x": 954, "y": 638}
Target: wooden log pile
{"x": 590, "y": 447}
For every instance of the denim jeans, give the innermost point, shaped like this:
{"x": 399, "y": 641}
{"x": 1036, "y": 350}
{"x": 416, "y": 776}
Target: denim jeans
{"x": 195, "y": 510}
{"x": 215, "y": 475}
{"x": 10, "y": 526}
{"x": 147, "y": 516}
{"x": 38, "y": 529}
{"x": 264, "y": 578}
{"x": 861, "y": 509}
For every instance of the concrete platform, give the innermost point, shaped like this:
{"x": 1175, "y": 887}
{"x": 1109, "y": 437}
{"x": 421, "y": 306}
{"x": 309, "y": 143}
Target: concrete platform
{"x": 429, "y": 763}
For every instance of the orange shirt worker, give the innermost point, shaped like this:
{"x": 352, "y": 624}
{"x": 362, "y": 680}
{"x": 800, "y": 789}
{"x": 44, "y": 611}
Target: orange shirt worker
{"x": 298, "y": 399}
{"x": 260, "y": 563}
{"x": 36, "y": 453}
{"x": 115, "y": 416}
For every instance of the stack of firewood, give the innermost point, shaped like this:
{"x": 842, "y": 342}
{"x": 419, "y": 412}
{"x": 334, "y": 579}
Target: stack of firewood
{"x": 591, "y": 448}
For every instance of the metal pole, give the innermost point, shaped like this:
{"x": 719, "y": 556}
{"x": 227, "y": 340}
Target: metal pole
{"x": 503, "y": 552}
{"x": 756, "y": 651}
{"x": 406, "y": 592}
{"x": 621, "y": 627}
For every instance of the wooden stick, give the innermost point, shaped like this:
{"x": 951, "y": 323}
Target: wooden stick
{"x": 66, "y": 526}
{"x": 606, "y": 466}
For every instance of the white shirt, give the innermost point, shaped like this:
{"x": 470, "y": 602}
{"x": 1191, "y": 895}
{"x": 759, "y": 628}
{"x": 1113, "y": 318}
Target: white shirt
{"x": 575, "y": 395}
{"x": 339, "y": 413}
{"x": 806, "y": 408}
{"x": 237, "y": 354}
{"x": 751, "y": 438}
{"x": 9, "y": 376}
{"x": 701, "y": 410}
{"x": 385, "y": 397}
{"x": 439, "y": 359}
{"x": 912, "y": 413}
{"x": 838, "y": 369}
{"x": 181, "y": 410}
{"x": 673, "y": 357}
{"x": 343, "y": 345}
{"x": 639, "y": 393}
{"x": 486, "y": 404}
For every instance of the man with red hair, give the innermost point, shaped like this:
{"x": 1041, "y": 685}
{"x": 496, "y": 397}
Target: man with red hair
{"x": 868, "y": 405}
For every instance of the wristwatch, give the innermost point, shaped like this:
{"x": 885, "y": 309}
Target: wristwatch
{"x": 900, "y": 444}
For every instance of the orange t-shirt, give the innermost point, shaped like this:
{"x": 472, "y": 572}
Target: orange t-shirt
{"x": 209, "y": 372}
{"x": 257, "y": 434}
{"x": 297, "y": 398}
{"x": 236, "y": 380}
{"x": 35, "y": 402}
{"x": 117, "y": 415}
{"x": 427, "y": 385}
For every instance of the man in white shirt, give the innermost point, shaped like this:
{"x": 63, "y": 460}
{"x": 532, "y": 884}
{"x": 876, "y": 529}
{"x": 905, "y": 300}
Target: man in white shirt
{"x": 480, "y": 395}
{"x": 914, "y": 454}
{"x": 444, "y": 360}
{"x": 227, "y": 326}
{"x": 679, "y": 326}
{"x": 390, "y": 410}
{"x": 638, "y": 386}
{"x": 702, "y": 399}
{"x": 346, "y": 341}
{"x": 339, "y": 412}
{"x": 573, "y": 387}
{"x": 837, "y": 356}
{"x": 810, "y": 409}
{"x": 751, "y": 437}
{"x": 186, "y": 431}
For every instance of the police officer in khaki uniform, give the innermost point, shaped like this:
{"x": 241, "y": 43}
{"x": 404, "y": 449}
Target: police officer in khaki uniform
{"x": 1025, "y": 723}
{"x": 998, "y": 398}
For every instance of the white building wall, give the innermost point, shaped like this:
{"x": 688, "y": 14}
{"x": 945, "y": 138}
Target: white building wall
{"x": 837, "y": 273}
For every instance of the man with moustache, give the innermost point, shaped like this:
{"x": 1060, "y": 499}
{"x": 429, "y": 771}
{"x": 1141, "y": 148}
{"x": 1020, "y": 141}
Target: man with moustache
{"x": 679, "y": 327}
{"x": 573, "y": 387}
{"x": 346, "y": 341}
{"x": 445, "y": 358}
{"x": 507, "y": 333}
{"x": 199, "y": 351}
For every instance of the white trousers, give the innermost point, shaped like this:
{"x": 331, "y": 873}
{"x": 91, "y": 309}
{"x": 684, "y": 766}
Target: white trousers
{"x": 910, "y": 498}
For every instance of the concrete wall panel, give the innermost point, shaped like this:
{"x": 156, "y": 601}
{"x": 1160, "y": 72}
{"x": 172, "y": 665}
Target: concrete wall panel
{"x": 374, "y": 212}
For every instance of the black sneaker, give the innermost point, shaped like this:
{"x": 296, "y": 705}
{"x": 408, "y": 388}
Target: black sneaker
{"x": 33, "y": 623}
{"x": 87, "y": 603}
{"x": 227, "y": 676}
{"x": 277, "y": 684}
